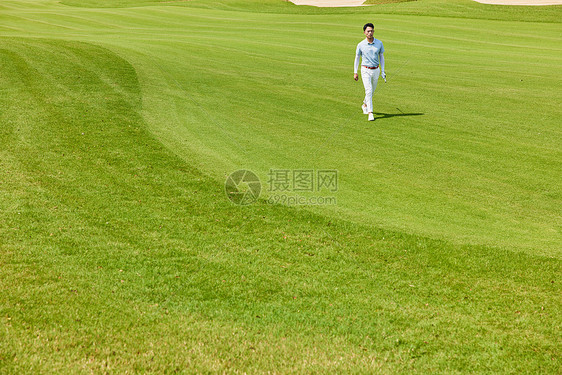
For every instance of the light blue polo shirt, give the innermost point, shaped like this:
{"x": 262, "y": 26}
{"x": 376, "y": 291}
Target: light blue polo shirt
{"x": 370, "y": 52}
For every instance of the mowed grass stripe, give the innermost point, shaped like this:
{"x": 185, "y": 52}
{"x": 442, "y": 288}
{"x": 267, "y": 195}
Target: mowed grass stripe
{"x": 435, "y": 8}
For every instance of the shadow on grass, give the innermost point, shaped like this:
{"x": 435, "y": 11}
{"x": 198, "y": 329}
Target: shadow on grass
{"x": 381, "y": 115}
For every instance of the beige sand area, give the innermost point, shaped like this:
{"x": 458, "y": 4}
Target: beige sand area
{"x": 521, "y": 2}
{"x": 358, "y": 3}
{"x": 329, "y": 3}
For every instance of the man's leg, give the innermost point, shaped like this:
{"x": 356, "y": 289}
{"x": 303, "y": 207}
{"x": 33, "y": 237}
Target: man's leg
{"x": 368, "y": 84}
{"x": 375, "y": 80}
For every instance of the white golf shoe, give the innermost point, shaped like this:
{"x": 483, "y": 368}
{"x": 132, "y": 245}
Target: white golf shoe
{"x": 371, "y": 117}
{"x": 364, "y": 108}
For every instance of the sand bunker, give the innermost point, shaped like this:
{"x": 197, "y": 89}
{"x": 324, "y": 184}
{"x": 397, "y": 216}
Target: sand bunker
{"x": 521, "y": 2}
{"x": 330, "y": 3}
{"x": 358, "y": 3}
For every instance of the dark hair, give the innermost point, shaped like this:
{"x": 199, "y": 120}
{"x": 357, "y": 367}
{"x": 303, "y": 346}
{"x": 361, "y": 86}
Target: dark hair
{"x": 368, "y": 25}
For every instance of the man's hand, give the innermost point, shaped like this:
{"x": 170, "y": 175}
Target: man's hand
{"x": 383, "y": 75}
{"x": 355, "y": 76}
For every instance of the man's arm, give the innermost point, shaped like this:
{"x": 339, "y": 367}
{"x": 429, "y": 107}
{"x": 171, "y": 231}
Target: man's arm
{"x": 355, "y": 66}
{"x": 383, "y": 74}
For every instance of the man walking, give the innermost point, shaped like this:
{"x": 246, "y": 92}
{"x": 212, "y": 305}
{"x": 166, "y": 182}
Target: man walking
{"x": 371, "y": 51}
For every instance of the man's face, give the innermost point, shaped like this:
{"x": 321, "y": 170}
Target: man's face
{"x": 369, "y": 32}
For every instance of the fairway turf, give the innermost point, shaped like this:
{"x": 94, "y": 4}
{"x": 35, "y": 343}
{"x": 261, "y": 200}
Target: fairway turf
{"x": 120, "y": 251}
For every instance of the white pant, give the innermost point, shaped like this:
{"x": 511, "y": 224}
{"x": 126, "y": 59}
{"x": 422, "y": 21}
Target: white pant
{"x": 370, "y": 78}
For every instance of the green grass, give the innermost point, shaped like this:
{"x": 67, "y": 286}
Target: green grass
{"x": 434, "y": 8}
{"x": 119, "y": 251}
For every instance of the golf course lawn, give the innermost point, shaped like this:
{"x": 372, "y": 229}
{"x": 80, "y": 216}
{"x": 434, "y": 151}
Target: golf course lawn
{"x": 120, "y": 251}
